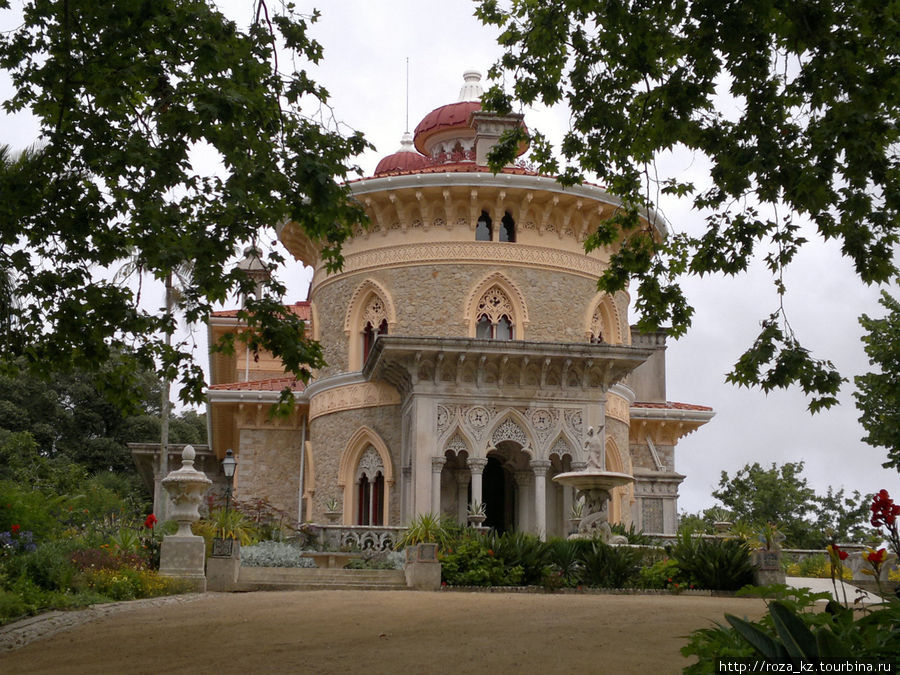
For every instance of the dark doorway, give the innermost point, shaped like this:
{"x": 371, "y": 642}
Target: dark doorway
{"x": 494, "y": 490}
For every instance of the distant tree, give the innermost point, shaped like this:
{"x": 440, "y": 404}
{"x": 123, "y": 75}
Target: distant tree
{"x": 69, "y": 419}
{"x": 878, "y": 398}
{"x": 794, "y": 105}
{"x": 781, "y": 495}
{"x": 125, "y": 95}
{"x": 778, "y": 495}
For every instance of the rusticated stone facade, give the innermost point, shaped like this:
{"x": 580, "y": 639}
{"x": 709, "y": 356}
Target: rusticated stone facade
{"x": 332, "y": 434}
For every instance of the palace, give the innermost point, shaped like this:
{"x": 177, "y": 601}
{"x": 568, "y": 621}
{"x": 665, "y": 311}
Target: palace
{"x": 468, "y": 350}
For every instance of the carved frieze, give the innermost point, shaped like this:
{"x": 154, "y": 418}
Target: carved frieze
{"x": 352, "y": 396}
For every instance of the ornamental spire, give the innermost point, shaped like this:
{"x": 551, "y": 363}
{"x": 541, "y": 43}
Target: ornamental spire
{"x": 471, "y": 89}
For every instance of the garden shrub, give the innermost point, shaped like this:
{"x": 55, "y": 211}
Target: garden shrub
{"x": 608, "y": 566}
{"x": 715, "y": 564}
{"x": 522, "y": 550}
{"x": 470, "y": 562}
{"x": 564, "y": 556}
{"x": 273, "y": 554}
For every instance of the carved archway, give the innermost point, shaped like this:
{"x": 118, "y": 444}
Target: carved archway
{"x": 602, "y": 322}
{"x": 508, "y": 290}
{"x": 362, "y": 440}
{"x": 369, "y": 302}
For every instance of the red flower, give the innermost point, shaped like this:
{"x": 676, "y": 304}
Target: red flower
{"x": 884, "y": 510}
{"x": 490, "y": 551}
{"x": 876, "y": 557}
{"x": 15, "y": 529}
{"x": 150, "y": 522}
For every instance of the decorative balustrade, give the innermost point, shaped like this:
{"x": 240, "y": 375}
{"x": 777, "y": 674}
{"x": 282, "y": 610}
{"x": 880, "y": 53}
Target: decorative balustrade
{"x": 360, "y": 537}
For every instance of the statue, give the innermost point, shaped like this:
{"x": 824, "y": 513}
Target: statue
{"x": 595, "y": 449}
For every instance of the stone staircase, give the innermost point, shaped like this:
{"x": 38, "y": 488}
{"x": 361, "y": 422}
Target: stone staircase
{"x": 303, "y": 579}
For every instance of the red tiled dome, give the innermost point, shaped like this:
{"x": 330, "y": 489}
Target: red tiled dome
{"x": 451, "y": 116}
{"x": 401, "y": 161}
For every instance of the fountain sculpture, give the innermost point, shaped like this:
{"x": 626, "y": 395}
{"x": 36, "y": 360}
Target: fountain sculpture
{"x": 593, "y": 485}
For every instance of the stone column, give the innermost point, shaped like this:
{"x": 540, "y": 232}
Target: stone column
{"x": 437, "y": 465}
{"x": 525, "y": 483}
{"x": 476, "y": 468}
{"x": 462, "y": 495}
{"x": 540, "y": 468}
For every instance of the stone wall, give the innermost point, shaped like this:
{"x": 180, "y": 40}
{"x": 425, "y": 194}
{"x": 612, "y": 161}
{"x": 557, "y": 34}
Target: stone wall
{"x": 329, "y": 436}
{"x": 430, "y": 300}
{"x": 269, "y": 467}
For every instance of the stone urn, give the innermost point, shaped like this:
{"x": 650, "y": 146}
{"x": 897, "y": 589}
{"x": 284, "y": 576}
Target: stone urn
{"x": 183, "y": 554}
{"x": 333, "y": 516}
{"x": 476, "y": 519}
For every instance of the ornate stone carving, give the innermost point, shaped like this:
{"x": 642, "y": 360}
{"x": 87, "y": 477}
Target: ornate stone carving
{"x": 542, "y": 419}
{"x": 478, "y": 417}
{"x": 370, "y": 465}
{"x": 574, "y": 420}
{"x": 561, "y": 448}
{"x": 462, "y": 252}
{"x": 443, "y": 419}
{"x": 617, "y": 408}
{"x": 597, "y": 328}
{"x": 495, "y": 305}
{"x": 374, "y": 312}
{"x": 509, "y": 431}
{"x": 352, "y": 396}
{"x": 456, "y": 444}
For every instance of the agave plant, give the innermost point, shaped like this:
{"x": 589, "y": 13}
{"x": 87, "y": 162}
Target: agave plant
{"x": 426, "y": 528}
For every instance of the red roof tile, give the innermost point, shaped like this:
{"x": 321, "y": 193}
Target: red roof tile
{"x": 670, "y": 405}
{"x": 300, "y": 308}
{"x": 273, "y": 384}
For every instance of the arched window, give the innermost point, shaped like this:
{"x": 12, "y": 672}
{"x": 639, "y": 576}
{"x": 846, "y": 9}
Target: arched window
{"x": 374, "y": 324}
{"x": 484, "y": 231}
{"x": 507, "y": 228}
{"x": 494, "y": 314}
{"x": 370, "y": 489}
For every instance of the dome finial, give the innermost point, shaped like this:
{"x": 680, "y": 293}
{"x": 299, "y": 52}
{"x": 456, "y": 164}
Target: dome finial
{"x": 471, "y": 89}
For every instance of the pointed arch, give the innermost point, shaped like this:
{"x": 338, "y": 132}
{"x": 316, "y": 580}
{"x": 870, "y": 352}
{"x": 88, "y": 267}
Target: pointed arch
{"x": 447, "y": 437}
{"x": 602, "y": 322}
{"x": 366, "y": 296}
{"x": 502, "y": 283}
{"x": 359, "y": 443}
{"x": 510, "y": 425}
{"x": 562, "y": 444}
{"x": 614, "y": 463}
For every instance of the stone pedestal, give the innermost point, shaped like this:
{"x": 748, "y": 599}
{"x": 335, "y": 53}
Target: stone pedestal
{"x": 223, "y": 566}
{"x": 769, "y": 569}
{"x": 423, "y": 570}
{"x": 183, "y": 557}
{"x": 182, "y": 554}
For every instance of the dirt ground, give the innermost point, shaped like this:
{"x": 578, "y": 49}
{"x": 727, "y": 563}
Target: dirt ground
{"x": 385, "y": 632}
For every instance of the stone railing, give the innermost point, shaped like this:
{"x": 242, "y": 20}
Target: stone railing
{"x": 360, "y": 537}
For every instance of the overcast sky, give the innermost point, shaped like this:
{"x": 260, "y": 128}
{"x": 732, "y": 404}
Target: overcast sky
{"x": 366, "y": 47}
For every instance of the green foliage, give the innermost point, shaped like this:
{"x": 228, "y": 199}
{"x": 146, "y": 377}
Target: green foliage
{"x": 635, "y": 537}
{"x": 564, "y": 556}
{"x": 793, "y": 107}
{"x": 122, "y": 100}
{"x": 717, "y": 564}
{"x": 471, "y": 562}
{"x": 426, "y": 528}
{"x": 273, "y": 554}
{"x": 878, "y": 395}
{"x": 226, "y": 524}
{"x": 521, "y": 550}
{"x": 607, "y": 566}
{"x": 663, "y": 573}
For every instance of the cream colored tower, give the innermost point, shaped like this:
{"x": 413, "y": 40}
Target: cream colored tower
{"x": 468, "y": 352}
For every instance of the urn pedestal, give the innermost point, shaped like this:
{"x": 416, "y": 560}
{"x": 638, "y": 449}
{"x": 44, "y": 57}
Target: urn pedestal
{"x": 183, "y": 554}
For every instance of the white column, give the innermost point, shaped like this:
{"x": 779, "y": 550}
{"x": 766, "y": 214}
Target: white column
{"x": 525, "y": 483}
{"x": 476, "y": 467}
{"x": 462, "y": 495}
{"x": 437, "y": 465}
{"x": 540, "y": 468}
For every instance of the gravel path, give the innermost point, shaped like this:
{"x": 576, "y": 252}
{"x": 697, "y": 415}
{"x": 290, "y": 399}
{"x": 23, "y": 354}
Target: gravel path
{"x": 370, "y": 632}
